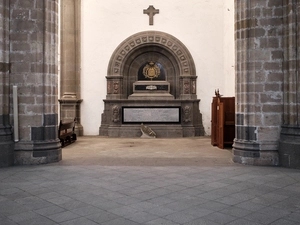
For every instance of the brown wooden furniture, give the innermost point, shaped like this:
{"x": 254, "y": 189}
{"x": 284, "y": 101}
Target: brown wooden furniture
{"x": 222, "y": 121}
{"x": 66, "y": 132}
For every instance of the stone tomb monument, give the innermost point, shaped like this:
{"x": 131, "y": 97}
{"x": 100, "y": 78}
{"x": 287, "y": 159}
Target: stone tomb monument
{"x": 151, "y": 80}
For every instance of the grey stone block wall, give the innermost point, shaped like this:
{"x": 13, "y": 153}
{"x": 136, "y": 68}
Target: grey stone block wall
{"x": 267, "y": 83}
{"x": 259, "y": 81}
{"x": 289, "y": 150}
{"x": 6, "y": 143}
{"x": 33, "y": 54}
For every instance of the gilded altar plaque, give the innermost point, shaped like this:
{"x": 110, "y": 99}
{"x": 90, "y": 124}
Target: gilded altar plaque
{"x": 151, "y": 70}
{"x": 151, "y": 115}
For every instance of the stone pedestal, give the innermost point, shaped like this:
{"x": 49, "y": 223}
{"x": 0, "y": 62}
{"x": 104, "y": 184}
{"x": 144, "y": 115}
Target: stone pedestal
{"x": 147, "y": 90}
{"x": 153, "y": 74}
{"x": 189, "y": 122}
{"x": 70, "y": 63}
{"x": 70, "y": 110}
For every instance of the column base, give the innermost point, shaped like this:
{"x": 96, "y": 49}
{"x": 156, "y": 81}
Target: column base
{"x": 248, "y": 152}
{"x": 6, "y": 145}
{"x": 35, "y": 153}
{"x": 289, "y": 147}
{"x": 6, "y": 154}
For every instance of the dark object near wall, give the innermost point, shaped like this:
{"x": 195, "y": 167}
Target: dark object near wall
{"x": 222, "y": 121}
{"x": 66, "y": 132}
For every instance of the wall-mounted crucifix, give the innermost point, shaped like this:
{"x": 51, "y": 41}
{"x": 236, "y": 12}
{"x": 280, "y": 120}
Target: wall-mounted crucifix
{"x": 151, "y": 11}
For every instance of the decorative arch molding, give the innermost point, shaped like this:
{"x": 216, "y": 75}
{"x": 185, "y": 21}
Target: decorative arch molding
{"x": 176, "y": 92}
{"x": 153, "y": 38}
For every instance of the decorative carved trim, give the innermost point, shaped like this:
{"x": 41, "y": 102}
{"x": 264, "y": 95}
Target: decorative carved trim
{"x": 115, "y": 114}
{"x": 186, "y": 87}
{"x": 193, "y": 87}
{"x": 186, "y": 114}
{"x": 116, "y": 87}
{"x": 155, "y": 38}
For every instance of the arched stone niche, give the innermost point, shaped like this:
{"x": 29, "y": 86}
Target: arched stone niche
{"x": 179, "y": 72}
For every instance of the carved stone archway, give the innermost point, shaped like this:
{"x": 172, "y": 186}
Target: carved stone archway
{"x": 179, "y": 67}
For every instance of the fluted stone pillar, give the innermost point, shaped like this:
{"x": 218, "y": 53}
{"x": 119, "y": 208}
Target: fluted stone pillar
{"x": 259, "y": 80}
{"x": 6, "y": 143}
{"x": 33, "y": 54}
{"x": 289, "y": 150}
{"x": 70, "y": 63}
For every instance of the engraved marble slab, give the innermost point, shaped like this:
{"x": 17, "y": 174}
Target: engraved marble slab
{"x": 160, "y": 115}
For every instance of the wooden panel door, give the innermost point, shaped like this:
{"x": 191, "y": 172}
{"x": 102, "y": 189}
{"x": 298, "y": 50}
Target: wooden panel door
{"x": 214, "y": 121}
{"x": 221, "y": 125}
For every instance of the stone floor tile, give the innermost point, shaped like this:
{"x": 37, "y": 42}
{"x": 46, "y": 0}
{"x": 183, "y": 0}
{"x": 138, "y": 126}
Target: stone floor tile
{"x": 251, "y": 206}
{"x": 79, "y": 221}
{"x": 120, "y": 221}
{"x": 127, "y": 200}
{"x": 75, "y": 192}
{"x": 214, "y": 206}
{"x": 73, "y": 204}
{"x": 229, "y": 200}
{"x": 106, "y": 205}
{"x": 63, "y": 216}
{"x": 6, "y": 221}
{"x": 161, "y": 221}
{"x": 235, "y": 211}
{"x": 123, "y": 211}
{"x": 160, "y": 200}
{"x": 202, "y": 221}
{"x": 33, "y": 202}
{"x": 143, "y": 206}
{"x": 10, "y": 191}
{"x": 102, "y": 216}
{"x": 38, "y": 221}
{"x": 180, "y": 217}
{"x": 161, "y": 211}
{"x": 220, "y": 218}
{"x": 198, "y": 211}
{"x": 284, "y": 222}
{"x": 178, "y": 205}
{"x": 86, "y": 210}
{"x": 49, "y": 195}
{"x": 295, "y": 216}
{"x": 260, "y": 218}
{"x": 8, "y": 208}
{"x": 50, "y": 210}
{"x": 243, "y": 222}
{"x": 141, "y": 217}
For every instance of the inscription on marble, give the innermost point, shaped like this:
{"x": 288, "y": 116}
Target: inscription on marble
{"x": 151, "y": 87}
{"x": 151, "y": 115}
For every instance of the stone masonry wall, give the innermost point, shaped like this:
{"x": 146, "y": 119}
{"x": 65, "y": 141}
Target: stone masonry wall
{"x": 259, "y": 81}
{"x": 6, "y": 143}
{"x": 289, "y": 145}
{"x": 33, "y": 44}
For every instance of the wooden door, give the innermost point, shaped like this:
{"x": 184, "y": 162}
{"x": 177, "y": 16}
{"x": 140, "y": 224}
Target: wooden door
{"x": 214, "y": 119}
{"x": 221, "y": 125}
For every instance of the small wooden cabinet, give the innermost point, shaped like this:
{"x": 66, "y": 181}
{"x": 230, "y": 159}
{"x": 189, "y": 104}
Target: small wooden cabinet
{"x": 222, "y": 121}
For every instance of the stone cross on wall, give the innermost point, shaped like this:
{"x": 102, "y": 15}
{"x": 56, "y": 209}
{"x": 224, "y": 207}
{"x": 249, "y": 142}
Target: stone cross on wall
{"x": 151, "y": 11}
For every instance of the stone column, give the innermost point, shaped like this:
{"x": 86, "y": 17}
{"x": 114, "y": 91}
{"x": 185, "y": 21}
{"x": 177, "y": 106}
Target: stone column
{"x": 259, "y": 80}
{"x": 289, "y": 150}
{"x": 70, "y": 63}
{"x": 6, "y": 143}
{"x": 33, "y": 44}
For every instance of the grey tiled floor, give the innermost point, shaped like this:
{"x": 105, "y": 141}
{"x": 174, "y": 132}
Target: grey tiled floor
{"x": 142, "y": 181}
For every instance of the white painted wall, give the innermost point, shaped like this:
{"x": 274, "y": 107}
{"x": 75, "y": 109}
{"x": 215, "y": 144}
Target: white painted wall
{"x": 200, "y": 24}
